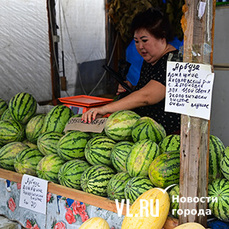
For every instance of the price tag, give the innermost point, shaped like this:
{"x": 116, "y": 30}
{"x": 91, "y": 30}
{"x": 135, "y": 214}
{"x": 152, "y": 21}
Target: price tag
{"x": 189, "y": 89}
{"x": 33, "y": 193}
{"x": 95, "y": 126}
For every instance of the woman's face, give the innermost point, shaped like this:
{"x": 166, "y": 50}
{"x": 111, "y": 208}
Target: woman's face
{"x": 149, "y": 47}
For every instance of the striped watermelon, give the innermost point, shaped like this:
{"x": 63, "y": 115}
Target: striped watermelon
{"x": 140, "y": 157}
{"x": 95, "y": 179}
{"x": 11, "y": 131}
{"x": 216, "y": 151}
{"x": 33, "y": 127}
{"x": 22, "y": 107}
{"x": 119, "y": 155}
{"x": 165, "y": 169}
{"x": 137, "y": 186}
{"x": 26, "y": 161}
{"x": 219, "y": 188}
{"x": 98, "y": 150}
{"x": 147, "y": 128}
{"x": 49, "y": 166}
{"x": 6, "y": 115}
{"x": 119, "y": 125}
{"x": 3, "y": 106}
{"x": 170, "y": 143}
{"x": 224, "y": 164}
{"x": 174, "y": 195}
{"x": 72, "y": 145}
{"x": 47, "y": 142}
{"x": 56, "y": 119}
{"x": 116, "y": 186}
{"x": 8, "y": 153}
{"x": 70, "y": 173}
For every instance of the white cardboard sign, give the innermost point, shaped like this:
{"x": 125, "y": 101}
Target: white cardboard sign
{"x": 189, "y": 89}
{"x": 33, "y": 193}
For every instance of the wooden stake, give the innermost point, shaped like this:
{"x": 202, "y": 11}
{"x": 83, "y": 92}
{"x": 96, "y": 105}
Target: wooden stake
{"x": 194, "y": 150}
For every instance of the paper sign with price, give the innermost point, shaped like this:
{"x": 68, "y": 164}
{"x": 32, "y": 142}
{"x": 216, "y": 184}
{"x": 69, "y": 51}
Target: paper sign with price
{"x": 33, "y": 193}
{"x": 189, "y": 89}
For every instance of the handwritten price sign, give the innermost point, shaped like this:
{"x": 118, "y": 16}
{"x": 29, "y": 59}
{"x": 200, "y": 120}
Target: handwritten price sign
{"x": 189, "y": 89}
{"x": 33, "y": 193}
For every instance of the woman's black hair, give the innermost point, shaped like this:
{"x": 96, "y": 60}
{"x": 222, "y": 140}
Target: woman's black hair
{"x": 155, "y": 22}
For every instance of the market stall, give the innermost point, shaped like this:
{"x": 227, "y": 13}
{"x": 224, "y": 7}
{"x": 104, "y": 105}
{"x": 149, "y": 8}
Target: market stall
{"x": 57, "y": 147}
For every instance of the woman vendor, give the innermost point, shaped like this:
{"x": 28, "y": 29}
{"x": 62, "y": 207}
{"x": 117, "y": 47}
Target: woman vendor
{"x": 152, "y": 34}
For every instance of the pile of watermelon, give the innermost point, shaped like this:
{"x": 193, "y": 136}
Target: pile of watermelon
{"x": 132, "y": 155}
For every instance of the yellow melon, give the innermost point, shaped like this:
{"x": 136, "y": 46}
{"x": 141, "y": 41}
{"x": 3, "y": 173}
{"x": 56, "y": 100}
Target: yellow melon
{"x": 190, "y": 226}
{"x": 95, "y": 223}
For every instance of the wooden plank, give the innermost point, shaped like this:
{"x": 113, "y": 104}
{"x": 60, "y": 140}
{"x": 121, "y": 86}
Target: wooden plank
{"x": 57, "y": 189}
{"x": 195, "y": 131}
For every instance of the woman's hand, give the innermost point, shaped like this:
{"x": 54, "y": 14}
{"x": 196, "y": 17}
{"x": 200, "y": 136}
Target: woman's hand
{"x": 92, "y": 114}
{"x": 121, "y": 89}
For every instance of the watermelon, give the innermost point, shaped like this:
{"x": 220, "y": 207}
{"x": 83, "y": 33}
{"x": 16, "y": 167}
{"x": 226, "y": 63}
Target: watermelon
{"x": 137, "y": 186}
{"x": 6, "y": 115}
{"x": 95, "y": 179}
{"x": 174, "y": 195}
{"x": 219, "y": 189}
{"x": 56, "y": 119}
{"x": 170, "y": 143}
{"x": 116, "y": 186}
{"x": 224, "y": 163}
{"x": 30, "y": 144}
{"x": 72, "y": 145}
{"x": 49, "y": 166}
{"x": 22, "y": 107}
{"x": 98, "y": 150}
{"x": 140, "y": 157}
{"x": 8, "y": 153}
{"x": 147, "y": 128}
{"x": 216, "y": 151}
{"x": 33, "y": 127}
{"x": 165, "y": 169}
{"x": 70, "y": 173}
{"x": 11, "y": 131}
{"x": 119, "y": 125}
{"x": 3, "y": 106}
{"x": 47, "y": 142}
{"x": 26, "y": 161}
{"x": 119, "y": 155}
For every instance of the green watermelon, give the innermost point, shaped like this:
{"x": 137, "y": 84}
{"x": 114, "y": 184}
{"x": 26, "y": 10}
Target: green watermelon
{"x": 224, "y": 163}
{"x": 137, "y": 186}
{"x": 47, "y": 142}
{"x": 165, "y": 169}
{"x": 22, "y": 107}
{"x": 56, "y": 119}
{"x": 11, "y": 131}
{"x": 219, "y": 189}
{"x": 30, "y": 144}
{"x": 3, "y": 106}
{"x": 174, "y": 195}
{"x": 116, "y": 186}
{"x": 98, "y": 150}
{"x": 8, "y": 153}
{"x": 140, "y": 157}
{"x": 119, "y": 125}
{"x": 72, "y": 145}
{"x": 26, "y": 161}
{"x": 6, "y": 115}
{"x": 147, "y": 128}
{"x": 216, "y": 151}
{"x": 33, "y": 127}
{"x": 95, "y": 179}
{"x": 70, "y": 173}
{"x": 170, "y": 143}
{"x": 49, "y": 166}
{"x": 119, "y": 155}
